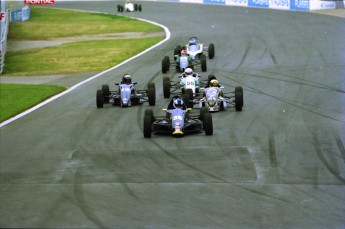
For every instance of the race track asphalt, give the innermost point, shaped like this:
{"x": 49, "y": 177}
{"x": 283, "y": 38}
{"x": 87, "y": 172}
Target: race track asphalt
{"x": 280, "y": 163}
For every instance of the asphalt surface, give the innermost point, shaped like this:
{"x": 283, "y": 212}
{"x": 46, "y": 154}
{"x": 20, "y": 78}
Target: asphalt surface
{"x": 277, "y": 164}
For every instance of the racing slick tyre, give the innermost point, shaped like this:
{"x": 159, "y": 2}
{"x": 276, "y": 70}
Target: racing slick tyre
{"x": 149, "y": 112}
{"x": 208, "y": 125}
{"x": 135, "y": 7}
{"x": 165, "y": 65}
{"x": 152, "y": 85}
{"x": 151, "y": 94}
{"x": 177, "y": 50}
{"x": 99, "y": 98}
{"x": 239, "y": 89}
{"x": 106, "y": 92}
{"x": 211, "y": 51}
{"x": 186, "y": 100}
{"x": 139, "y": 8}
{"x": 147, "y": 126}
{"x": 166, "y": 87}
{"x": 203, "y": 63}
{"x": 203, "y": 111}
{"x": 189, "y": 93}
{"x": 238, "y": 101}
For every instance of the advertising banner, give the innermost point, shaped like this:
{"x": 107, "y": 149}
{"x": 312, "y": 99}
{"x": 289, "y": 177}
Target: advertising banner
{"x": 20, "y": 15}
{"x": 300, "y": 4}
{"x": 322, "y": 5}
{"x": 279, "y": 4}
{"x": 258, "y": 3}
{"x": 236, "y": 2}
{"x": 219, "y": 2}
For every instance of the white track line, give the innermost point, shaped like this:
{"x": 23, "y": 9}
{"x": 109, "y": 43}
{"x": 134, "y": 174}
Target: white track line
{"x": 167, "y": 32}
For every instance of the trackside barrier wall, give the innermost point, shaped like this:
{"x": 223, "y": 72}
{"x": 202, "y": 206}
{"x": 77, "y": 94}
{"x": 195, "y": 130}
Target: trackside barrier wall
{"x": 273, "y": 4}
{"x": 22, "y": 14}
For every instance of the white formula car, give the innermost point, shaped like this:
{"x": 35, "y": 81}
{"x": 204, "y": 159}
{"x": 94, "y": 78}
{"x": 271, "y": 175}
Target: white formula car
{"x": 129, "y": 7}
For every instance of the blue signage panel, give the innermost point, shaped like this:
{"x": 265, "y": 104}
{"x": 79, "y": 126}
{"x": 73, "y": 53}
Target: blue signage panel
{"x": 258, "y": 3}
{"x": 220, "y": 2}
{"x": 300, "y": 4}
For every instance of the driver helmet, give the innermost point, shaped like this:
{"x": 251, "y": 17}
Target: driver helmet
{"x": 184, "y": 52}
{"x": 188, "y": 72}
{"x": 127, "y": 79}
{"x": 178, "y": 103}
{"x": 192, "y": 41}
{"x": 214, "y": 83}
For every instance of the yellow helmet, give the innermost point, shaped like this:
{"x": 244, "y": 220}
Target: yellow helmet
{"x": 214, "y": 83}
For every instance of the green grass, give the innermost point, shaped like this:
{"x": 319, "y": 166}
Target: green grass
{"x": 75, "y": 57}
{"x": 15, "y": 98}
{"x": 48, "y": 23}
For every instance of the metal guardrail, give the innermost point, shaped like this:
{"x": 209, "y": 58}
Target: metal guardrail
{"x": 4, "y": 43}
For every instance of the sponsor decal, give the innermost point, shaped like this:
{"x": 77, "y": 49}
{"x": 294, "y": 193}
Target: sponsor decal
{"x": 39, "y": 2}
{"x": 220, "y": 2}
{"x": 236, "y": 2}
{"x": 258, "y": 3}
{"x": 280, "y": 4}
{"x": 300, "y": 4}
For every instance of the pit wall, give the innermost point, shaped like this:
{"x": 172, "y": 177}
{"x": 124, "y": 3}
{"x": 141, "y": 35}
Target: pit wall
{"x": 272, "y": 4}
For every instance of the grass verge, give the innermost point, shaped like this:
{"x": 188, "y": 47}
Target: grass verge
{"x": 48, "y": 23}
{"x": 85, "y": 56}
{"x": 16, "y": 98}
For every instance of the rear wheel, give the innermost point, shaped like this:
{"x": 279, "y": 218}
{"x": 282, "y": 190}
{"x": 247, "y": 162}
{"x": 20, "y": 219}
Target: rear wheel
{"x": 99, "y": 98}
{"x": 203, "y": 111}
{"x": 151, "y": 94}
{"x": 208, "y": 125}
{"x": 203, "y": 63}
{"x": 238, "y": 101}
{"x": 186, "y": 101}
{"x": 166, "y": 87}
{"x": 165, "y": 65}
{"x": 147, "y": 126}
{"x": 106, "y": 92}
{"x": 189, "y": 93}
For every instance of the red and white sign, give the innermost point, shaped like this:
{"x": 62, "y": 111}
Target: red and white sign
{"x": 2, "y": 16}
{"x": 38, "y": 2}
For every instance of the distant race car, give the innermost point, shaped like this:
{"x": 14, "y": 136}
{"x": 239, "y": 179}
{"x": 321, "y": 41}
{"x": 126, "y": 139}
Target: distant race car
{"x": 196, "y": 49}
{"x": 183, "y": 60}
{"x": 129, "y": 7}
{"x": 126, "y": 95}
{"x": 215, "y": 100}
{"x": 177, "y": 121}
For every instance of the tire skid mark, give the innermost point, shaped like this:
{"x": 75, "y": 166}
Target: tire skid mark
{"x": 244, "y": 57}
{"x": 335, "y": 172}
{"x": 82, "y": 204}
{"x": 340, "y": 145}
{"x": 127, "y": 189}
{"x": 306, "y": 82}
{"x": 174, "y": 157}
{"x": 291, "y": 103}
{"x": 272, "y": 150}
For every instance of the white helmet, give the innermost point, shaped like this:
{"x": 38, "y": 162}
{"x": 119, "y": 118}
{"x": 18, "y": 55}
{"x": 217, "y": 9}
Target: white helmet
{"x": 188, "y": 72}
